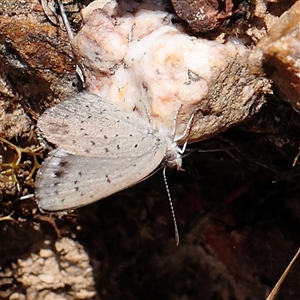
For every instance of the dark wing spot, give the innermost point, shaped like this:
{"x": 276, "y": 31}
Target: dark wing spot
{"x": 145, "y": 86}
{"x": 59, "y": 173}
{"x": 108, "y": 179}
{"x": 63, "y": 163}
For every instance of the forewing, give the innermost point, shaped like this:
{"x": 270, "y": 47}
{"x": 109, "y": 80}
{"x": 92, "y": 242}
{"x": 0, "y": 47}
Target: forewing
{"x": 67, "y": 181}
{"x": 87, "y": 125}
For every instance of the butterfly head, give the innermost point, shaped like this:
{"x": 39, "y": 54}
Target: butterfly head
{"x": 173, "y": 158}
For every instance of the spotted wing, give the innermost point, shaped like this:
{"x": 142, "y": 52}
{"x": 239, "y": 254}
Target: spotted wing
{"x": 102, "y": 149}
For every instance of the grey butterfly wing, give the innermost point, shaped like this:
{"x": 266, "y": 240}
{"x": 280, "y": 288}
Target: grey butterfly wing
{"x": 67, "y": 181}
{"x": 102, "y": 149}
{"x": 87, "y": 125}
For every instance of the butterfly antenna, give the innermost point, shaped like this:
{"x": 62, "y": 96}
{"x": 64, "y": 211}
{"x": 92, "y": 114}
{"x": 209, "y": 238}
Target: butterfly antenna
{"x": 172, "y": 208}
